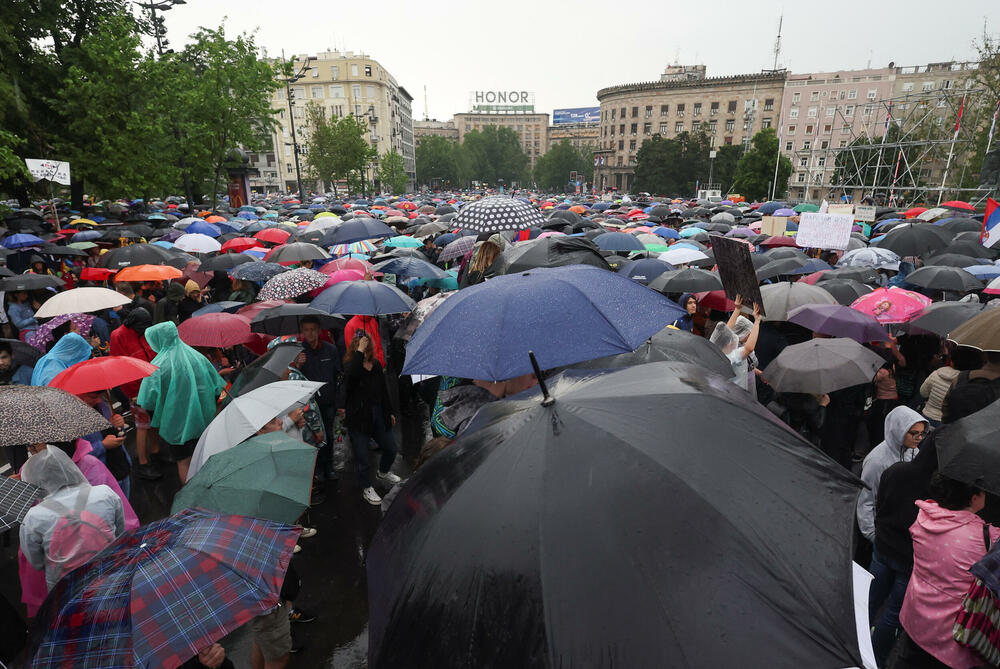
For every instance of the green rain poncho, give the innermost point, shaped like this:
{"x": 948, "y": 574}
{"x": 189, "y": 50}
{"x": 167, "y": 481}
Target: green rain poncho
{"x": 182, "y": 392}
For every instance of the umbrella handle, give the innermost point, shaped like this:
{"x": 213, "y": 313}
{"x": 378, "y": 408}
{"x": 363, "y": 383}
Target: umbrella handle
{"x": 547, "y": 400}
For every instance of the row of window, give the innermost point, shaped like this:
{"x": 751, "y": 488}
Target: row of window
{"x": 335, "y": 71}
{"x": 335, "y": 91}
{"x": 710, "y": 127}
{"x": 848, "y": 110}
{"x": 681, "y": 109}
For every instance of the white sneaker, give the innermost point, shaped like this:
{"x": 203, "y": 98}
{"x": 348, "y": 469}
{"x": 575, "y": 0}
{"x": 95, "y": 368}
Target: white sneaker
{"x": 387, "y": 476}
{"x": 297, "y": 548}
{"x": 371, "y": 496}
{"x": 307, "y": 532}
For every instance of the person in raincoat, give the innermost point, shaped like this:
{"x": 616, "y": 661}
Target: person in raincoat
{"x": 67, "y": 490}
{"x": 737, "y": 339}
{"x": 69, "y": 350}
{"x": 168, "y": 309}
{"x": 180, "y": 395}
{"x": 689, "y": 303}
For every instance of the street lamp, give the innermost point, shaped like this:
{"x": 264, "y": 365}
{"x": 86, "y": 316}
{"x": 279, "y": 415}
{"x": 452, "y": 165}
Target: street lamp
{"x": 159, "y": 30}
{"x": 288, "y": 81}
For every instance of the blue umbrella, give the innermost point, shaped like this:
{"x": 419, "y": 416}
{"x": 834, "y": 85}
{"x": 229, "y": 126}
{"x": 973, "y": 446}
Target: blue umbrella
{"x": 411, "y": 267}
{"x": 203, "y": 228}
{"x": 564, "y": 314}
{"x": 667, "y": 233}
{"x": 163, "y": 244}
{"x": 598, "y": 206}
{"x": 812, "y": 265}
{"x": 786, "y": 212}
{"x": 357, "y": 230}
{"x": 229, "y": 306}
{"x": 366, "y": 298}
{"x": 645, "y": 270}
{"x": 983, "y": 271}
{"x": 87, "y": 236}
{"x": 229, "y": 226}
{"x": 445, "y": 239}
{"x": 446, "y": 284}
{"x": 769, "y": 208}
{"x": 618, "y": 241}
{"x": 22, "y": 240}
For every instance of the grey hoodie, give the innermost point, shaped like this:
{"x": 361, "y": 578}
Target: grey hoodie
{"x": 897, "y": 423}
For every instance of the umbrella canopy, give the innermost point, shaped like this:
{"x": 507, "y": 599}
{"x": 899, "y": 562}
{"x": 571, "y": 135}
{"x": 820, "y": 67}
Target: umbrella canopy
{"x": 225, "y": 262}
{"x": 218, "y": 330}
{"x": 22, "y": 240}
{"x": 781, "y": 298}
{"x": 161, "y": 593}
{"x": 411, "y": 267}
{"x": 891, "y": 305}
{"x": 457, "y": 248}
{"x": 16, "y": 499}
{"x": 273, "y": 235}
{"x": 837, "y": 320}
{"x": 820, "y": 366}
{"x": 913, "y": 240}
{"x": 645, "y": 270}
{"x": 493, "y": 214}
{"x": 101, "y": 373}
{"x": 135, "y": 254}
{"x": 197, "y": 243}
{"x": 287, "y": 319}
{"x": 564, "y": 314}
{"x": 246, "y": 414}
{"x": 619, "y": 241}
{"x": 670, "y": 345}
{"x": 982, "y": 331}
{"x": 22, "y": 352}
{"x": 346, "y": 264}
{"x": 291, "y": 284}
{"x": 861, "y": 274}
{"x": 357, "y": 230}
{"x": 403, "y": 241}
{"x": 942, "y": 318}
{"x": 141, "y": 273}
{"x": 952, "y": 260}
{"x": 240, "y": 244}
{"x": 418, "y": 314}
{"x": 230, "y": 306}
{"x": 846, "y": 291}
{"x": 967, "y": 450}
{"x": 539, "y": 498}
{"x": 550, "y": 252}
{"x": 874, "y": 257}
{"x": 257, "y": 271}
{"x": 40, "y": 414}
{"x": 366, "y": 298}
{"x": 80, "y": 301}
{"x": 688, "y": 280}
{"x": 296, "y": 252}
{"x": 29, "y": 282}
{"x": 682, "y": 256}
{"x": 939, "y": 277}
{"x": 266, "y": 369}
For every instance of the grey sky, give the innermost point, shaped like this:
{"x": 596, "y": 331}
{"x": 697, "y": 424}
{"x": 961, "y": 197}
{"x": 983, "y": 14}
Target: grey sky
{"x": 566, "y": 51}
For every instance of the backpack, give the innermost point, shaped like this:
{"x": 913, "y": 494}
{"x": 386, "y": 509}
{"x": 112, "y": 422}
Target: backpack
{"x": 968, "y": 396}
{"x": 78, "y": 536}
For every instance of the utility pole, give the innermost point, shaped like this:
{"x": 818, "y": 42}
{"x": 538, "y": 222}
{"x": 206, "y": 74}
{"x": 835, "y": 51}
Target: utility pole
{"x": 288, "y": 81}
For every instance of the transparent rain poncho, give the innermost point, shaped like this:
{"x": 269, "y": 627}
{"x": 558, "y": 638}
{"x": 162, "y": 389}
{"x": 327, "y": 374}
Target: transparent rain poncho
{"x": 69, "y": 350}
{"x": 182, "y": 392}
{"x": 52, "y": 470}
{"x": 724, "y": 338}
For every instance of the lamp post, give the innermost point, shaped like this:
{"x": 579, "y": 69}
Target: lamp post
{"x": 159, "y": 30}
{"x": 288, "y": 81}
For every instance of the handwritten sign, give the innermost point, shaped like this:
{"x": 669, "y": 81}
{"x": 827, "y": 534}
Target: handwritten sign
{"x": 841, "y": 209}
{"x": 773, "y": 226}
{"x": 824, "y": 231}
{"x": 864, "y": 212}
{"x": 736, "y": 271}
{"x": 51, "y": 170}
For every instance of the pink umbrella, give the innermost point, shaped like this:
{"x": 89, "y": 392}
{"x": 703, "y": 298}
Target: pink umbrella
{"x": 811, "y": 279}
{"x": 755, "y": 226}
{"x": 891, "y": 305}
{"x": 337, "y": 277}
{"x": 641, "y": 228}
{"x": 346, "y": 263}
{"x": 219, "y": 330}
{"x": 551, "y": 233}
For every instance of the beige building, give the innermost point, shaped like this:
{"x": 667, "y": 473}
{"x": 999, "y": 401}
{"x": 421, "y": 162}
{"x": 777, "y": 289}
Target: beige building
{"x": 584, "y": 136}
{"x": 729, "y": 109}
{"x": 532, "y": 129}
{"x": 434, "y": 128}
{"x": 340, "y": 83}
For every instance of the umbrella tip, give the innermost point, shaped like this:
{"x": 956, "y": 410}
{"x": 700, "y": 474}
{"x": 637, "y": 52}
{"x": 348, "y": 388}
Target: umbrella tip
{"x": 547, "y": 400}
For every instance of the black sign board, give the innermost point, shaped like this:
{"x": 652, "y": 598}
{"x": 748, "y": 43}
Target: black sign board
{"x": 736, "y": 271}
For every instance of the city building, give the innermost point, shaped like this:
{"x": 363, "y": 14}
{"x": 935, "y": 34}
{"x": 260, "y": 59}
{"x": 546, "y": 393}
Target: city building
{"x": 434, "y": 128}
{"x": 531, "y": 128}
{"x": 340, "y": 83}
{"x": 729, "y": 109}
{"x": 584, "y": 136}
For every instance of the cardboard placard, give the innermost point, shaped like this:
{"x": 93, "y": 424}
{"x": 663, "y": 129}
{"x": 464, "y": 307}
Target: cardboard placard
{"x": 737, "y": 272}
{"x": 864, "y": 212}
{"x": 50, "y": 170}
{"x": 840, "y": 209}
{"x": 773, "y": 226}
{"x": 824, "y": 231}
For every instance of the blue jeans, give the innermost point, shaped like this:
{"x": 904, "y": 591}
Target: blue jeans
{"x": 888, "y": 588}
{"x": 359, "y": 445}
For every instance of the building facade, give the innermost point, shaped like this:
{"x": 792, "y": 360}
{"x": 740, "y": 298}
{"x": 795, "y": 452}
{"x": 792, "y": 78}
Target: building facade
{"x": 340, "y": 83}
{"x": 531, "y": 129}
{"x": 730, "y": 110}
{"x": 434, "y": 128}
{"x": 584, "y": 136}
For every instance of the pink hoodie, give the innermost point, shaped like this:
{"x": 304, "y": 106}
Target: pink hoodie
{"x": 946, "y": 544}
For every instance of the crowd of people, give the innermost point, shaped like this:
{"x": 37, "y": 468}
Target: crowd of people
{"x": 284, "y": 274}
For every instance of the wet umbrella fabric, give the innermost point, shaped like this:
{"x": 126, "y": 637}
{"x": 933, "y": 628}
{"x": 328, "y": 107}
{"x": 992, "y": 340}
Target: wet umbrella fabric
{"x": 289, "y": 285}
{"x": 688, "y": 280}
{"x": 493, "y": 214}
{"x": 488, "y": 540}
{"x": 257, "y": 271}
{"x": 29, "y": 282}
{"x": 297, "y": 252}
{"x": 287, "y": 319}
{"x": 913, "y": 240}
{"x": 838, "y": 320}
{"x": 564, "y": 314}
{"x": 821, "y": 366}
{"x": 411, "y": 267}
{"x": 101, "y": 373}
{"x": 942, "y": 318}
{"x": 645, "y": 270}
{"x": 365, "y": 298}
{"x": 550, "y": 252}
{"x": 81, "y": 300}
{"x": 457, "y": 249}
{"x": 357, "y": 230}
{"x": 159, "y": 594}
{"x": 940, "y": 277}
{"x": 981, "y": 332}
{"x": 135, "y": 254}
{"x": 218, "y": 330}
{"x": 668, "y": 345}
{"x": 40, "y": 414}
{"x": 266, "y": 369}
{"x": 23, "y": 353}
{"x": 16, "y": 499}
{"x": 781, "y": 298}
{"x": 891, "y": 305}
{"x": 967, "y": 451}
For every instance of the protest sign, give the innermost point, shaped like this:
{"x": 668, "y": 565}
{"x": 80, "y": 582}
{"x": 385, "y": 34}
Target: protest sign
{"x": 52, "y": 170}
{"x": 737, "y": 272}
{"x": 773, "y": 226}
{"x": 841, "y": 209}
{"x": 824, "y": 231}
{"x": 864, "y": 212}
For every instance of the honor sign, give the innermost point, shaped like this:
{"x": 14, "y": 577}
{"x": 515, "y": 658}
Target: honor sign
{"x": 502, "y": 101}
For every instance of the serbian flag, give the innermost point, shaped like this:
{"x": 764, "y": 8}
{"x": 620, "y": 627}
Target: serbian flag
{"x": 991, "y": 223}
{"x": 958, "y": 121}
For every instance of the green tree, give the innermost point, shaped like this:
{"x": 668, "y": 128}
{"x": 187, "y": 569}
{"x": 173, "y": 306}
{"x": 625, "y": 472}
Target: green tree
{"x": 755, "y": 170}
{"x": 552, "y": 170}
{"x": 336, "y": 149}
{"x": 392, "y": 173}
{"x": 724, "y": 170}
{"x": 494, "y": 153}
{"x": 439, "y": 162}
{"x": 672, "y": 166}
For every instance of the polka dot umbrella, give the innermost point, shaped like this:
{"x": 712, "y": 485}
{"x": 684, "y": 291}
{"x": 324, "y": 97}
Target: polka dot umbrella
{"x": 493, "y": 214}
{"x": 291, "y": 284}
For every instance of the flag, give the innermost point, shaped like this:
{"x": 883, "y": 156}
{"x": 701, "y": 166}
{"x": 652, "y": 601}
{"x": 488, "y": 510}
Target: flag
{"x": 961, "y": 108}
{"x": 888, "y": 119}
{"x": 991, "y": 223}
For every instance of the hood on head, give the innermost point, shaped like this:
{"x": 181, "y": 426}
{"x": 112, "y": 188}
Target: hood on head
{"x": 897, "y": 423}
{"x": 71, "y": 349}
{"x": 175, "y": 292}
{"x": 191, "y": 287}
{"x": 936, "y": 519}
{"x": 138, "y": 319}
{"x": 162, "y": 336}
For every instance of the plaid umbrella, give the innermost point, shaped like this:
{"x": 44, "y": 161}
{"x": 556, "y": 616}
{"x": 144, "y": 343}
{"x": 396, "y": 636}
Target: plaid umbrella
{"x": 291, "y": 284}
{"x": 493, "y": 214}
{"x": 420, "y": 312}
{"x": 457, "y": 249}
{"x": 158, "y": 595}
{"x": 16, "y": 498}
{"x": 257, "y": 271}
{"x": 40, "y": 414}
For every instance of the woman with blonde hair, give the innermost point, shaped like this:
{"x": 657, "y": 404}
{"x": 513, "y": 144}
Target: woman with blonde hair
{"x": 482, "y": 259}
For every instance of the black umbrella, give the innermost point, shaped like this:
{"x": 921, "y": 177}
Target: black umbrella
{"x": 540, "y": 537}
{"x": 914, "y": 240}
{"x": 968, "y": 247}
{"x": 783, "y": 252}
{"x": 23, "y": 354}
{"x": 356, "y": 230}
{"x": 668, "y": 345}
{"x": 266, "y": 369}
{"x": 952, "y": 260}
{"x": 41, "y": 414}
{"x": 53, "y": 250}
{"x": 287, "y": 319}
{"x": 961, "y": 224}
{"x": 5, "y": 272}
{"x": 689, "y": 280}
{"x": 943, "y": 317}
{"x": 859, "y": 274}
{"x": 225, "y": 262}
{"x": 136, "y": 254}
{"x": 550, "y": 252}
{"x": 779, "y": 267}
{"x": 845, "y": 291}
{"x": 944, "y": 278}
{"x": 821, "y": 366}
{"x": 29, "y": 282}
{"x": 297, "y": 252}
{"x": 493, "y": 214}
{"x": 967, "y": 450}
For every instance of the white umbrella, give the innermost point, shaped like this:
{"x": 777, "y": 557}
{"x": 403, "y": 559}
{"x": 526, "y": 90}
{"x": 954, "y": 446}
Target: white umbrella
{"x": 934, "y": 214}
{"x": 681, "y": 256}
{"x": 873, "y": 256}
{"x": 248, "y": 413}
{"x": 323, "y": 223}
{"x": 197, "y": 243}
{"x": 184, "y": 222}
{"x": 81, "y": 301}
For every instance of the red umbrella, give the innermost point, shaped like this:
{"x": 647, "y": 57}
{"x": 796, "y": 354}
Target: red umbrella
{"x": 240, "y": 244}
{"x": 96, "y": 274}
{"x": 779, "y": 241}
{"x": 101, "y": 373}
{"x": 273, "y": 235}
{"x": 252, "y": 310}
{"x": 219, "y": 330}
{"x": 346, "y": 263}
{"x": 715, "y": 299}
{"x": 958, "y": 204}
{"x": 914, "y": 211}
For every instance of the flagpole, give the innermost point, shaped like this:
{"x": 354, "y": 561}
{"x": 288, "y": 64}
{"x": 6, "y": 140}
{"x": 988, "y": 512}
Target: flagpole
{"x": 892, "y": 190}
{"x": 993, "y": 125}
{"x": 951, "y": 151}
{"x": 878, "y": 163}
{"x": 777, "y": 161}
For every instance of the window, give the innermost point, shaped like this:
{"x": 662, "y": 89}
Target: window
{"x": 766, "y": 123}
{"x": 809, "y": 129}
{"x": 695, "y": 126}
{"x": 621, "y": 129}
{"x": 768, "y": 104}
{"x": 852, "y": 94}
{"x": 731, "y": 107}
{"x": 288, "y": 168}
{"x": 827, "y": 129}
{"x": 631, "y": 145}
{"x": 621, "y": 144}
{"x": 370, "y": 92}
{"x": 679, "y": 126}
{"x": 849, "y": 110}
{"x": 334, "y": 72}
{"x": 713, "y": 108}
{"x": 869, "y": 108}
{"x": 846, "y": 128}
{"x": 928, "y": 86}
{"x": 946, "y": 84}
{"x": 788, "y": 146}
{"x": 907, "y": 87}
{"x": 663, "y": 128}
{"x": 804, "y": 161}
{"x": 814, "y": 96}
{"x": 712, "y": 126}
{"x": 298, "y": 92}
{"x": 791, "y": 130}
{"x": 730, "y": 125}
{"x": 664, "y": 110}
{"x": 795, "y": 98}
{"x": 728, "y": 141}
{"x": 613, "y": 111}
{"x": 697, "y": 109}
{"x": 821, "y": 161}
{"x": 872, "y": 93}
{"x": 843, "y": 143}
{"x": 800, "y": 177}
{"x": 337, "y": 91}
{"x": 635, "y": 112}
{"x": 833, "y": 95}
{"x": 812, "y": 112}
{"x": 680, "y": 109}
{"x": 623, "y": 112}
{"x": 634, "y": 128}
{"x": 315, "y": 71}
{"x": 830, "y": 111}
{"x": 824, "y": 145}
{"x": 649, "y": 111}
{"x": 368, "y": 70}
{"x": 354, "y": 70}
{"x": 793, "y": 112}
{"x": 806, "y": 145}
{"x": 612, "y": 131}
{"x": 356, "y": 90}
{"x": 316, "y": 92}
{"x": 647, "y": 128}
{"x": 619, "y": 161}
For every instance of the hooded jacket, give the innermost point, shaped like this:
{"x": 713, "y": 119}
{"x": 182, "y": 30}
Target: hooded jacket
{"x": 946, "y": 544}
{"x": 901, "y": 485}
{"x": 126, "y": 340}
{"x": 69, "y": 350}
{"x": 897, "y": 423}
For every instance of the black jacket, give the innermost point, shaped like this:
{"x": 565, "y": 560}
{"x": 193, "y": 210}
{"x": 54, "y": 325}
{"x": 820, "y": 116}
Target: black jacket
{"x": 359, "y": 386}
{"x": 323, "y": 364}
{"x": 901, "y": 486}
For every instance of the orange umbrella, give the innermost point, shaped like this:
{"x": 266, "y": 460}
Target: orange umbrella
{"x": 578, "y": 209}
{"x": 148, "y": 273}
{"x": 215, "y": 219}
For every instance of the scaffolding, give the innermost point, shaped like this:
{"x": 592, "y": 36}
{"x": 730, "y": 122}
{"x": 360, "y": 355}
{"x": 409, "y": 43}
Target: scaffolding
{"x": 922, "y": 160}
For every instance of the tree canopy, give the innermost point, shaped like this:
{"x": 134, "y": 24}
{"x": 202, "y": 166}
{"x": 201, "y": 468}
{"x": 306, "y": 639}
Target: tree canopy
{"x": 672, "y": 166}
{"x": 553, "y": 169}
{"x": 392, "y": 173}
{"x": 439, "y": 162}
{"x": 755, "y": 171}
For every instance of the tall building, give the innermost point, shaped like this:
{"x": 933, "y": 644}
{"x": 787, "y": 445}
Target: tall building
{"x": 729, "y": 109}
{"x": 434, "y": 128}
{"x": 531, "y": 129}
{"x": 584, "y": 136}
{"x": 340, "y": 83}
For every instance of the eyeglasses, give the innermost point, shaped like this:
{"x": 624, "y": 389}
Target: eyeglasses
{"x": 917, "y": 434}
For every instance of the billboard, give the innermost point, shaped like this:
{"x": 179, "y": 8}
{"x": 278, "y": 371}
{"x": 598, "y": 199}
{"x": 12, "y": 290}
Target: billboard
{"x": 576, "y": 115}
{"x": 501, "y": 101}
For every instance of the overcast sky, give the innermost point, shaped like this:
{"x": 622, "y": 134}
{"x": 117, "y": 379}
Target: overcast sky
{"x": 566, "y": 51}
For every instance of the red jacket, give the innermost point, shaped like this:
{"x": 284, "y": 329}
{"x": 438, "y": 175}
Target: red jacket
{"x": 370, "y": 325}
{"x": 126, "y": 341}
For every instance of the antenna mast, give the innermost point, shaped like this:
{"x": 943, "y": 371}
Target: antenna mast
{"x": 426, "y": 116}
{"x": 777, "y": 41}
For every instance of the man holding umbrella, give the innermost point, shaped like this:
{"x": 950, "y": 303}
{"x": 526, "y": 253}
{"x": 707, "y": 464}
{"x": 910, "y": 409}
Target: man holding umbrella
{"x": 129, "y": 340}
{"x": 320, "y": 361}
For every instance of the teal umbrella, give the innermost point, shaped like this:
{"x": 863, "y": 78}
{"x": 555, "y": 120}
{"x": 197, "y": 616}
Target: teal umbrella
{"x": 402, "y": 241}
{"x": 268, "y": 476}
{"x": 806, "y": 207}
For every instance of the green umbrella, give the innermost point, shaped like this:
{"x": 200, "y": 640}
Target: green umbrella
{"x": 83, "y": 246}
{"x": 657, "y": 248}
{"x": 402, "y": 241}
{"x": 268, "y": 476}
{"x": 805, "y": 206}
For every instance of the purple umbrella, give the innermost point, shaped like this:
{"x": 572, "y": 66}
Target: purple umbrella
{"x": 785, "y": 212}
{"x": 741, "y": 232}
{"x": 837, "y": 320}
